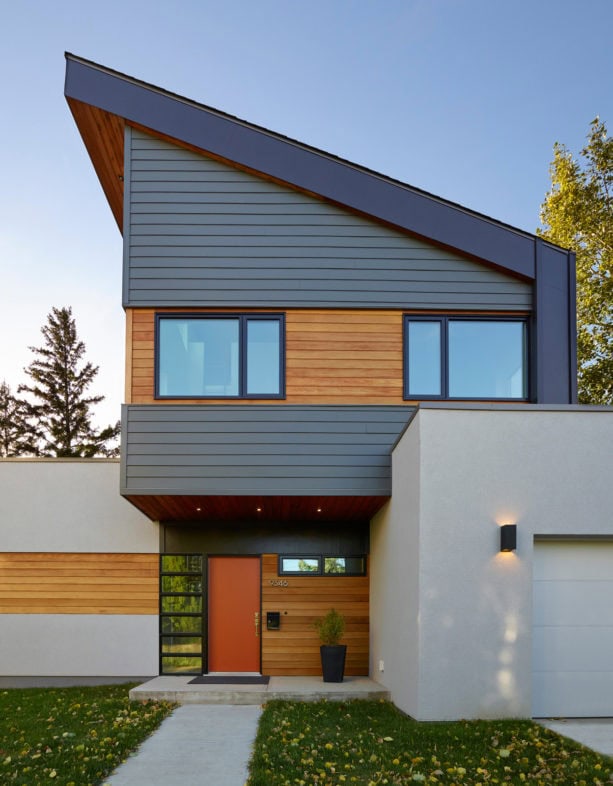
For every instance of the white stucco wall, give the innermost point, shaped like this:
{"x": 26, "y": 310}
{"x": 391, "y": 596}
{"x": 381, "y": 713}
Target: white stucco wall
{"x": 68, "y": 505}
{"x": 547, "y": 471}
{"x": 65, "y": 505}
{"x": 76, "y": 645}
{"x": 394, "y": 580}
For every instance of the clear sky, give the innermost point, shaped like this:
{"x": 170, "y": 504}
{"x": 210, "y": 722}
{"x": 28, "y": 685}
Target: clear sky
{"x": 463, "y": 98}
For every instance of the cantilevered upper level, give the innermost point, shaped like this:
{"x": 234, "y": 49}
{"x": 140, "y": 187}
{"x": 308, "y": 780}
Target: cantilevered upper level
{"x": 287, "y": 309}
{"x": 388, "y": 236}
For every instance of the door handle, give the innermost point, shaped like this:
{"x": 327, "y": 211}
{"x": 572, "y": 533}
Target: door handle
{"x": 257, "y": 623}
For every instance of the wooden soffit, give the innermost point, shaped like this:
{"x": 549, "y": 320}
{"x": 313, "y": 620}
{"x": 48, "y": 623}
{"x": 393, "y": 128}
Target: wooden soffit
{"x": 257, "y": 509}
{"x": 103, "y": 135}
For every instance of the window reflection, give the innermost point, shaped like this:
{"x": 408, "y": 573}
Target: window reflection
{"x": 424, "y": 339}
{"x": 198, "y": 357}
{"x": 300, "y": 564}
{"x": 486, "y": 359}
{"x": 263, "y": 372}
{"x": 448, "y": 357}
{"x": 219, "y": 356}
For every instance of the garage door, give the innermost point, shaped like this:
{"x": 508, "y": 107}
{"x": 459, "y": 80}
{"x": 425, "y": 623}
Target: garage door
{"x": 572, "y": 629}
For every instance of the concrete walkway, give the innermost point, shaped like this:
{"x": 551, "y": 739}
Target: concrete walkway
{"x": 594, "y": 733}
{"x": 198, "y": 744}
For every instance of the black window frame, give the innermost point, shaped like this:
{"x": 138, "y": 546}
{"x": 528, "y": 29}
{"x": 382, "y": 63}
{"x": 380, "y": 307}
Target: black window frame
{"x": 321, "y": 570}
{"x": 444, "y": 321}
{"x": 243, "y": 318}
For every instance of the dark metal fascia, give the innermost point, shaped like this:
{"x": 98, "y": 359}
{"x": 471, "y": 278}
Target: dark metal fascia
{"x": 572, "y": 325}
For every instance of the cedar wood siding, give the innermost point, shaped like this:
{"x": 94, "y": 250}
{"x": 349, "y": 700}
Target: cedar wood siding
{"x": 294, "y": 648}
{"x": 69, "y": 583}
{"x": 331, "y": 357}
{"x": 199, "y": 232}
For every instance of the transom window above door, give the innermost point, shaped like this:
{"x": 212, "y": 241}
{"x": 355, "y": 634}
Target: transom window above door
{"x": 220, "y": 356}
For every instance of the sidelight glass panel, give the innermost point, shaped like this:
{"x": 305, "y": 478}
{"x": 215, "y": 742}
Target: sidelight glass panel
{"x": 177, "y": 665}
{"x": 181, "y": 584}
{"x": 487, "y": 359}
{"x": 182, "y": 563}
{"x": 182, "y": 604}
{"x": 424, "y": 358}
{"x": 179, "y": 624}
{"x": 181, "y": 645}
{"x": 263, "y": 357}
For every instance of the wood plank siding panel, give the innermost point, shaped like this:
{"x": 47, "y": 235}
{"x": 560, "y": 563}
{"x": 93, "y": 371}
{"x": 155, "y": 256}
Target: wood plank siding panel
{"x": 349, "y": 357}
{"x": 70, "y": 583}
{"x": 204, "y": 233}
{"x": 263, "y": 450}
{"x": 294, "y": 649}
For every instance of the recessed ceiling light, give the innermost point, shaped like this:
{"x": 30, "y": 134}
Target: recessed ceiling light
{"x": 258, "y": 510}
{"x": 319, "y": 510}
{"x": 198, "y": 510}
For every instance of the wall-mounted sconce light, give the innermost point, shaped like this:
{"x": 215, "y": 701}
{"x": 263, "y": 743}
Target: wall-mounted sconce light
{"x": 508, "y": 537}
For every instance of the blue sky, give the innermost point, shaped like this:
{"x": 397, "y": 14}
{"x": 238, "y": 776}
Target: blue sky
{"x": 463, "y": 98}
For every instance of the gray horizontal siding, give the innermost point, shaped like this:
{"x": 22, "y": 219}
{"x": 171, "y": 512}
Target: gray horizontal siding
{"x": 259, "y": 450}
{"x": 201, "y": 233}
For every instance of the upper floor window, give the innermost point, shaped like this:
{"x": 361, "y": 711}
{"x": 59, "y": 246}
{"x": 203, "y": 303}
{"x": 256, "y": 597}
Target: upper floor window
{"x": 220, "y": 356}
{"x": 465, "y": 358}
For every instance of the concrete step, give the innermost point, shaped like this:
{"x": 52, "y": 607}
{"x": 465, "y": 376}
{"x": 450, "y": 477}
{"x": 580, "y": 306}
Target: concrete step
{"x": 177, "y": 689}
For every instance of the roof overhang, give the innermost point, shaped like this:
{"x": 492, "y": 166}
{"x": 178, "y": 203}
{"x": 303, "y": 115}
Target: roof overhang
{"x": 102, "y": 101}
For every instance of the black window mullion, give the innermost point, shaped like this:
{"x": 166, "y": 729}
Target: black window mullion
{"x": 242, "y": 357}
{"x": 444, "y": 357}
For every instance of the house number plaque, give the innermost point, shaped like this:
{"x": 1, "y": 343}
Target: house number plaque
{"x": 279, "y": 583}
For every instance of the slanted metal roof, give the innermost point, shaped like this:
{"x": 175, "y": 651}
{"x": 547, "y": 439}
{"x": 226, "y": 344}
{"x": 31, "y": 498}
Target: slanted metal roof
{"x": 102, "y": 100}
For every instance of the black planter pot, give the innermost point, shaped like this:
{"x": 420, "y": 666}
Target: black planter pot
{"x": 333, "y": 661}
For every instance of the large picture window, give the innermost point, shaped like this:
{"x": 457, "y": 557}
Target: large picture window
{"x": 465, "y": 358}
{"x": 220, "y": 356}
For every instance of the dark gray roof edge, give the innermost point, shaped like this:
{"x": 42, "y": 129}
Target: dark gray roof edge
{"x": 302, "y": 166}
{"x": 484, "y": 406}
{"x": 512, "y": 407}
{"x": 146, "y": 491}
{"x": 275, "y": 408}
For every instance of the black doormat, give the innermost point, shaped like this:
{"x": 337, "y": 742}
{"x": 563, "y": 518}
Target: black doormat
{"x": 229, "y": 680}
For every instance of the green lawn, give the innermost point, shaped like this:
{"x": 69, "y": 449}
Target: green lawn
{"x": 70, "y": 736}
{"x": 371, "y": 743}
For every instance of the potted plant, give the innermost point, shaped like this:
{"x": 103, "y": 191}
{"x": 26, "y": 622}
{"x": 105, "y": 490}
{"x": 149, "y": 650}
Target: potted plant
{"x": 331, "y": 628}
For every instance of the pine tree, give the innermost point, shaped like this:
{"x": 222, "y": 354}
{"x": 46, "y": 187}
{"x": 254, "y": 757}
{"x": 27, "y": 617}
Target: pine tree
{"x": 17, "y": 435}
{"x": 578, "y": 213}
{"x": 59, "y": 406}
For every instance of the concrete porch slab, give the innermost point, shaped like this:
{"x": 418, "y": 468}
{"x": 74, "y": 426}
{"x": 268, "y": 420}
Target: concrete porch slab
{"x": 177, "y": 689}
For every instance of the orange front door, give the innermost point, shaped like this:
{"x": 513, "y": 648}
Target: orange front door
{"x": 234, "y": 610}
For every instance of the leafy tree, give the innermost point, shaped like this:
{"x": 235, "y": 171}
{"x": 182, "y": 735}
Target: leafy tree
{"x": 17, "y": 435}
{"x": 334, "y": 565}
{"x": 578, "y": 214}
{"x": 60, "y": 407}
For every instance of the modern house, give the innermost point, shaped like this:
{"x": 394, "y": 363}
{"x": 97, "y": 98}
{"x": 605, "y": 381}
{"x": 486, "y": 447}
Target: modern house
{"x": 341, "y": 391}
